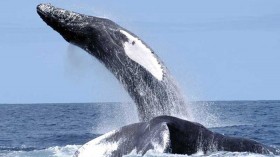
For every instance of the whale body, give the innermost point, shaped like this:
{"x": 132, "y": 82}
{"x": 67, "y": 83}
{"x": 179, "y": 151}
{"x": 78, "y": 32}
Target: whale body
{"x": 166, "y": 134}
{"x": 151, "y": 87}
{"x": 132, "y": 62}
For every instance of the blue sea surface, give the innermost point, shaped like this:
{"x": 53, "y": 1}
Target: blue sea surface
{"x": 52, "y": 130}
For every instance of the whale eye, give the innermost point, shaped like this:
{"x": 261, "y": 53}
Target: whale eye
{"x": 137, "y": 51}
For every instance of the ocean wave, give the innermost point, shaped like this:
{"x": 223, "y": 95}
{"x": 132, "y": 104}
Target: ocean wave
{"x": 69, "y": 150}
{"x": 23, "y": 148}
{"x": 230, "y": 126}
{"x": 57, "y": 151}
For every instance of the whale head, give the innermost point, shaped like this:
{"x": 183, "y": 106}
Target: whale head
{"x": 87, "y": 32}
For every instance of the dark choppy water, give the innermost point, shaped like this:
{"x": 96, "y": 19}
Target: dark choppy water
{"x": 51, "y": 130}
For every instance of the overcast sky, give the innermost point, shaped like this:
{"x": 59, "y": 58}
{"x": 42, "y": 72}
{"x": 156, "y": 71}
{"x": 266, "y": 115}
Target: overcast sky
{"x": 216, "y": 50}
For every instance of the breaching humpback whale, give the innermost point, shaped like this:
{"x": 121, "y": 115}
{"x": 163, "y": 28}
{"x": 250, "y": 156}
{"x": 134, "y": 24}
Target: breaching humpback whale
{"x": 131, "y": 61}
{"x": 149, "y": 84}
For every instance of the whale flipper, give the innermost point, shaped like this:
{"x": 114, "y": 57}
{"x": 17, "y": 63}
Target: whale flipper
{"x": 167, "y": 134}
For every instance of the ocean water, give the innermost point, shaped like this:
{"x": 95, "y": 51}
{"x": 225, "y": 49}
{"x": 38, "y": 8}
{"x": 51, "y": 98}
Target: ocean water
{"x": 58, "y": 130}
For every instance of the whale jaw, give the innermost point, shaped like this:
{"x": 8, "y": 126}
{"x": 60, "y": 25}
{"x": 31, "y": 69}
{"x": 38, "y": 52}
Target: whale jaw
{"x": 62, "y": 21}
{"x": 84, "y": 31}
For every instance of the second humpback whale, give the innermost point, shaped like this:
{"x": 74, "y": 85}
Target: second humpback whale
{"x": 148, "y": 82}
{"x": 165, "y": 134}
{"x": 132, "y": 61}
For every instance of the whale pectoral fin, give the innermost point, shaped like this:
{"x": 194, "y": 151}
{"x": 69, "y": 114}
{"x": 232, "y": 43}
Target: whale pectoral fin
{"x": 141, "y": 54}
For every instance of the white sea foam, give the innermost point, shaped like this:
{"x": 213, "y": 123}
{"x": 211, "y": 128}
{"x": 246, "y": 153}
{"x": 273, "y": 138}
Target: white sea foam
{"x": 66, "y": 151}
{"x": 136, "y": 50}
{"x": 99, "y": 147}
{"x": 160, "y": 146}
{"x": 69, "y": 150}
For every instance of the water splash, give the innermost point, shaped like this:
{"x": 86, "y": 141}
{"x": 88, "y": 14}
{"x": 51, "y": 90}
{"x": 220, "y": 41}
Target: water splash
{"x": 211, "y": 115}
{"x": 120, "y": 114}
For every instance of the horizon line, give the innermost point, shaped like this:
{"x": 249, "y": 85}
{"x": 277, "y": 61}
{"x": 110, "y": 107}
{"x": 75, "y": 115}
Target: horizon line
{"x": 111, "y": 102}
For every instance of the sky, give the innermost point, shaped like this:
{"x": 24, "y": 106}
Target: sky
{"x": 216, "y": 50}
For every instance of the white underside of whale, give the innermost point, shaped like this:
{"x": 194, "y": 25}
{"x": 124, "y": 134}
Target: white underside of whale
{"x": 136, "y": 50}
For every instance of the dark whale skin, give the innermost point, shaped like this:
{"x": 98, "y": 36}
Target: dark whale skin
{"x": 166, "y": 134}
{"x": 102, "y": 39}
{"x": 188, "y": 137}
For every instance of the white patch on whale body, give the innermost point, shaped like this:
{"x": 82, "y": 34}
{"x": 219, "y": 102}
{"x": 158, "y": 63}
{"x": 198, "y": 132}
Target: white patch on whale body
{"x": 98, "y": 147}
{"x": 141, "y": 54}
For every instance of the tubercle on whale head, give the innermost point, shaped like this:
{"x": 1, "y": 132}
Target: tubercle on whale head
{"x": 77, "y": 29}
